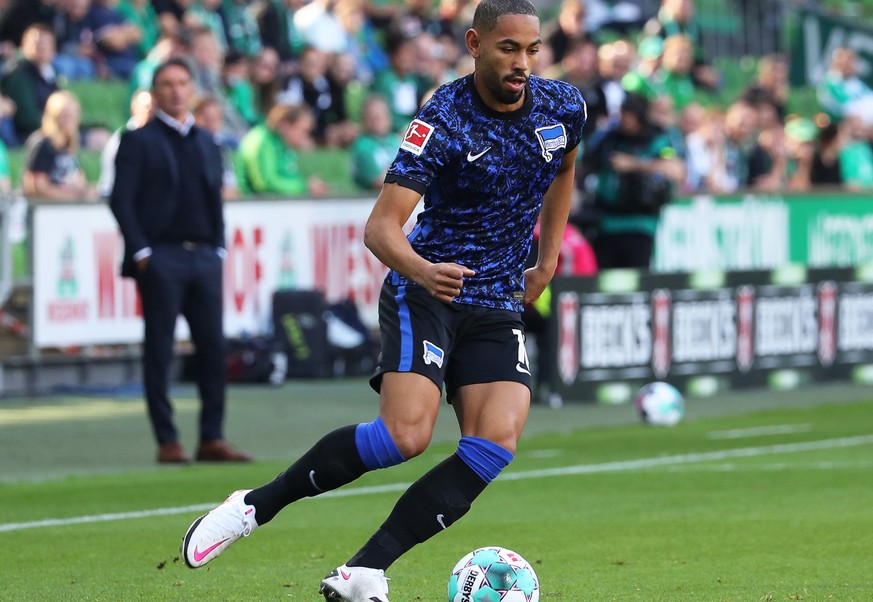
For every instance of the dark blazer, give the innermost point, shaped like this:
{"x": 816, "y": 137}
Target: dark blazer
{"x": 143, "y": 197}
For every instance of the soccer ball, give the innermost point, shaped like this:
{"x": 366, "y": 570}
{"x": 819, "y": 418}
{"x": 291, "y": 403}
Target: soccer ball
{"x": 660, "y": 404}
{"x": 493, "y": 574}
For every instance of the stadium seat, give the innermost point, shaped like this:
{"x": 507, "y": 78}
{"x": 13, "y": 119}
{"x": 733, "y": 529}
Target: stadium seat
{"x": 104, "y": 103}
{"x": 332, "y": 166}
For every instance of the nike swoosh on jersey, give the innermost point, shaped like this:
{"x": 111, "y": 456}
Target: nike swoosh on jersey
{"x": 471, "y": 157}
{"x": 521, "y": 368}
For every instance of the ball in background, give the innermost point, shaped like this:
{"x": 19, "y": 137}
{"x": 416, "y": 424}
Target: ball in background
{"x": 660, "y": 404}
{"x": 493, "y": 574}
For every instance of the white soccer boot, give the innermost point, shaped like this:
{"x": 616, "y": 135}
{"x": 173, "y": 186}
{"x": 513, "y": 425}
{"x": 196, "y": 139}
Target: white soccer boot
{"x": 212, "y": 533}
{"x": 355, "y": 584}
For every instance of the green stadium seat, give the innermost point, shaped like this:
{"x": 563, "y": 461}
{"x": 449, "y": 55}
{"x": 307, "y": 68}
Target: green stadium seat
{"x": 104, "y": 103}
{"x": 332, "y": 166}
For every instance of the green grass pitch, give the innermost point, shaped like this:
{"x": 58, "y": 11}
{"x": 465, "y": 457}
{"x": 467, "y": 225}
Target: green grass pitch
{"x": 754, "y": 497}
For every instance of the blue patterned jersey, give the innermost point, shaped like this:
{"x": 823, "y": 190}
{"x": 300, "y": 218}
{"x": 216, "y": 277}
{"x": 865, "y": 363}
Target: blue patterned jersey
{"x": 483, "y": 175}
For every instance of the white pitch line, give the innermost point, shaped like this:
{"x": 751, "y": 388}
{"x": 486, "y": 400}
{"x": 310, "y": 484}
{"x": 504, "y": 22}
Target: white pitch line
{"x": 760, "y": 431}
{"x": 625, "y": 465}
{"x": 769, "y": 467}
{"x": 743, "y": 452}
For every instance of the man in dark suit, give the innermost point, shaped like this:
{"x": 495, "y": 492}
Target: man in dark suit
{"x": 167, "y": 200}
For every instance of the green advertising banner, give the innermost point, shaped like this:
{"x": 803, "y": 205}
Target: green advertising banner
{"x": 754, "y": 232}
{"x": 831, "y": 232}
{"x": 814, "y": 36}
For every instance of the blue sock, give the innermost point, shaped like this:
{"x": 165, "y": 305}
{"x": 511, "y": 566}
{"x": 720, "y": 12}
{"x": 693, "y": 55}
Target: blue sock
{"x": 485, "y": 457}
{"x": 376, "y": 446}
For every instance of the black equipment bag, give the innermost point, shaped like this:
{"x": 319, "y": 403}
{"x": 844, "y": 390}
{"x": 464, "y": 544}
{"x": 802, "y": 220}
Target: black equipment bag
{"x": 300, "y": 328}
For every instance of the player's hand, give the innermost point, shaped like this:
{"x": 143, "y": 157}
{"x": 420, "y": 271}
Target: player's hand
{"x": 444, "y": 281}
{"x": 535, "y": 282}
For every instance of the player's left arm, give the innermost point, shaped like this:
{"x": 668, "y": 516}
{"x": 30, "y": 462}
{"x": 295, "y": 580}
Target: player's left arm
{"x": 553, "y": 220}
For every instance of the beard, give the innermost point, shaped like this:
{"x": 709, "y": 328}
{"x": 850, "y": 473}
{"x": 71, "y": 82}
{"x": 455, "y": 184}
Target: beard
{"x": 494, "y": 83}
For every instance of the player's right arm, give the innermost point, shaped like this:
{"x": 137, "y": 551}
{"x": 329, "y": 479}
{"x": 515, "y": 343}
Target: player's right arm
{"x": 385, "y": 238}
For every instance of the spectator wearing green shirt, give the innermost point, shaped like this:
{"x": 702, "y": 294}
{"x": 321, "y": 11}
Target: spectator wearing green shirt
{"x": 645, "y": 78}
{"x": 5, "y": 171}
{"x": 376, "y": 147}
{"x": 675, "y": 73}
{"x": 856, "y": 156}
{"x": 267, "y": 160}
{"x": 142, "y": 14}
{"x": 400, "y": 83}
{"x": 243, "y": 33}
{"x": 166, "y": 47}
{"x": 206, "y": 14}
{"x": 677, "y": 17}
{"x": 238, "y": 87}
{"x": 841, "y": 92}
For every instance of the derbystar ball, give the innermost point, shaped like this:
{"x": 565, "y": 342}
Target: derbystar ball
{"x": 493, "y": 574}
{"x": 660, "y": 404}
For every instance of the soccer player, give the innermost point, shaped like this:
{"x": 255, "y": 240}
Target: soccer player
{"x": 489, "y": 152}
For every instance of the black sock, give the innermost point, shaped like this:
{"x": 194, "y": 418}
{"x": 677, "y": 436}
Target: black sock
{"x": 433, "y": 503}
{"x": 329, "y": 464}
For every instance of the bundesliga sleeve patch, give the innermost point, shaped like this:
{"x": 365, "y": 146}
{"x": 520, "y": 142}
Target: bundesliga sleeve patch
{"x": 416, "y": 137}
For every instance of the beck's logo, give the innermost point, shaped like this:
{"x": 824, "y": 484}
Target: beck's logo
{"x": 416, "y": 137}
{"x": 551, "y": 138}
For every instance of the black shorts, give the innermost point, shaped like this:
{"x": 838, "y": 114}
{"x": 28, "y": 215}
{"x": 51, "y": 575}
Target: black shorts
{"x": 449, "y": 343}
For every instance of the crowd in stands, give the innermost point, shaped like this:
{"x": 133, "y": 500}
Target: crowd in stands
{"x": 278, "y": 78}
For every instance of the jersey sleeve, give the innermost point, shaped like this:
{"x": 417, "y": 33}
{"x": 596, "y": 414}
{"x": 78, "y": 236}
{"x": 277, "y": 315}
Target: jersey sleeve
{"x": 577, "y": 115}
{"x": 426, "y": 146}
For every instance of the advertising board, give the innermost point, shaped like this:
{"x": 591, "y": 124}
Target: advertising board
{"x": 711, "y": 331}
{"x": 80, "y": 299}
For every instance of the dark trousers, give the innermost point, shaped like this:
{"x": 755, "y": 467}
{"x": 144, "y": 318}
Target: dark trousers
{"x": 187, "y": 280}
{"x": 623, "y": 250}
